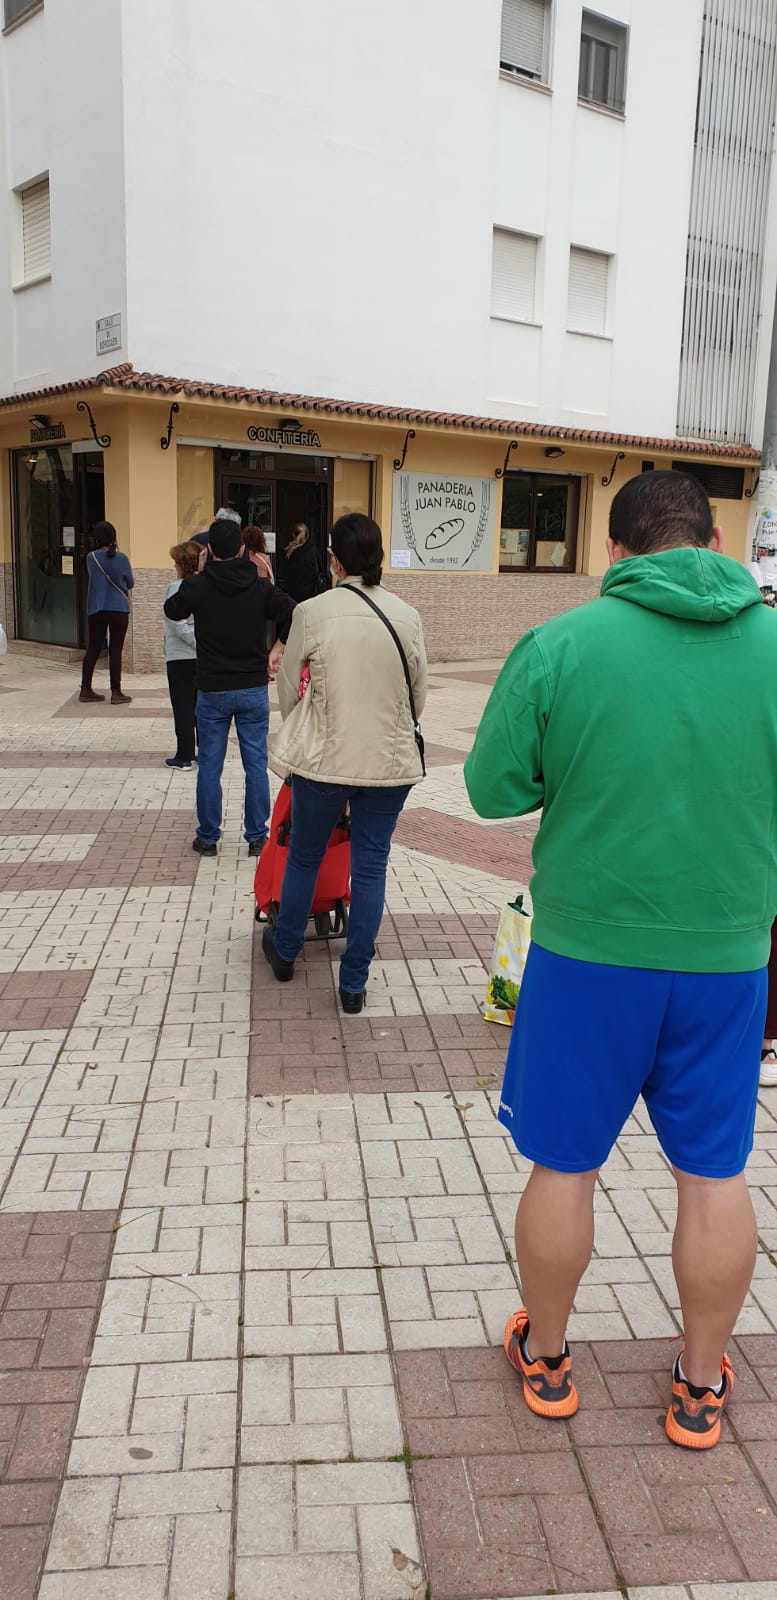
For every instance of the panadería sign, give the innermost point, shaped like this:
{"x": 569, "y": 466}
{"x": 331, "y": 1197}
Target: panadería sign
{"x": 443, "y": 523}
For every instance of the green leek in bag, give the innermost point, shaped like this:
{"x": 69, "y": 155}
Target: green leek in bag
{"x": 508, "y": 962}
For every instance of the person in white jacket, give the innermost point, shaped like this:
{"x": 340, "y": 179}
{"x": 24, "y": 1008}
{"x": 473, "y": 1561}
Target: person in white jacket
{"x": 348, "y": 737}
{"x": 181, "y": 662}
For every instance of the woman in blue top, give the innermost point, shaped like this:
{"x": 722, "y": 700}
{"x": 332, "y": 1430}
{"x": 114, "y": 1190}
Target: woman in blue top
{"x": 107, "y": 608}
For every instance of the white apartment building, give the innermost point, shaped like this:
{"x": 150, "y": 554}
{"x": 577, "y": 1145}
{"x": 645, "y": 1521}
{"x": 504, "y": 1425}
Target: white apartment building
{"x": 466, "y": 265}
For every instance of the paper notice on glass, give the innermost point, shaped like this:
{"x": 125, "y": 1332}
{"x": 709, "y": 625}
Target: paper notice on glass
{"x": 400, "y": 558}
{"x": 69, "y": 538}
{"x": 508, "y": 541}
{"x": 67, "y": 566}
{"x": 559, "y": 556}
{"x": 269, "y": 541}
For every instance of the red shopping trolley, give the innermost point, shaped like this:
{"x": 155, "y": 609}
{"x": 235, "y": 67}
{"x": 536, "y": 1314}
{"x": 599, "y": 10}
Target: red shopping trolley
{"x": 333, "y": 886}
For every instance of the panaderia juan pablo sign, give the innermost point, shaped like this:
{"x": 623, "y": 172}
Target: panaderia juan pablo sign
{"x": 443, "y": 523}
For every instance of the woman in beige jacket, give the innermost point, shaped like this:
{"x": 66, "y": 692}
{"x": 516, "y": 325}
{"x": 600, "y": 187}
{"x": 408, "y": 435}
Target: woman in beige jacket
{"x": 347, "y": 738}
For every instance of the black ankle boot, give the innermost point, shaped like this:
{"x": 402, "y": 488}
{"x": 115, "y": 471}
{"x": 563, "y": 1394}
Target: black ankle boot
{"x": 352, "y": 1004}
{"x": 282, "y": 970}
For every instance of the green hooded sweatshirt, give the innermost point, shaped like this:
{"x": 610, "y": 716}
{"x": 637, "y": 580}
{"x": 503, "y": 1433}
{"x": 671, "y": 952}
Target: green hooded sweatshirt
{"x": 645, "y": 726}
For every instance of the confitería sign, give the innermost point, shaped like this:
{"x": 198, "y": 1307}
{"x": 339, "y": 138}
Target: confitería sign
{"x": 446, "y": 524}
{"x": 53, "y": 430}
{"x": 295, "y": 437}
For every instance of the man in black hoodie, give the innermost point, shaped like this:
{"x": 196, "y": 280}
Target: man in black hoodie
{"x": 230, "y": 605}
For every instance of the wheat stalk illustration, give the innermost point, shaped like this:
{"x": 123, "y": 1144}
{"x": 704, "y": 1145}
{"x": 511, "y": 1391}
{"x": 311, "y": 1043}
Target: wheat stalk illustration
{"x": 485, "y": 508}
{"x": 407, "y": 524}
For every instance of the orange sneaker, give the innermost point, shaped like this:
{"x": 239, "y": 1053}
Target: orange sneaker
{"x": 695, "y": 1422}
{"x": 548, "y": 1391}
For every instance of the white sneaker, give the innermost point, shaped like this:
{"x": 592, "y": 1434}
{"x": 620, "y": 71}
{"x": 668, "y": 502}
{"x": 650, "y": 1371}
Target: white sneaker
{"x": 768, "y": 1077}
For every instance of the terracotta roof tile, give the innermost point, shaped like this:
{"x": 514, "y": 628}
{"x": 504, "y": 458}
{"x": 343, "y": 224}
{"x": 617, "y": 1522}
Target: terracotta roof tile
{"x": 125, "y": 377}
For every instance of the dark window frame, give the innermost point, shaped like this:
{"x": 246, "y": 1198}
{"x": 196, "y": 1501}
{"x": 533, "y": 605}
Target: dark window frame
{"x": 81, "y": 463}
{"x": 540, "y": 480}
{"x": 600, "y": 33}
{"x": 285, "y": 468}
{"x": 18, "y": 11}
{"x": 720, "y": 480}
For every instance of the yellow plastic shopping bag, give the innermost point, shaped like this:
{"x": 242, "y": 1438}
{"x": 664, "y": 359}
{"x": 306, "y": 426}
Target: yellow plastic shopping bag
{"x": 507, "y": 963}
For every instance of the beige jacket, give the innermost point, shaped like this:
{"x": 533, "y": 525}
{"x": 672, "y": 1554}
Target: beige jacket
{"x": 353, "y": 724}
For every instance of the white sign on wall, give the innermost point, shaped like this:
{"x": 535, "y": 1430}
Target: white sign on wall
{"x": 108, "y": 334}
{"x": 443, "y": 522}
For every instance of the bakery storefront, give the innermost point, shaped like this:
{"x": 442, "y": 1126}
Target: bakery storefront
{"x": 490, "y": 527}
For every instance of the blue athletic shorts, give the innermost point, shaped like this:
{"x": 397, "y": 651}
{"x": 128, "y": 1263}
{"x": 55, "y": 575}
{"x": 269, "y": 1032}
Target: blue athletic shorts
{"x": 588, "y": 1040}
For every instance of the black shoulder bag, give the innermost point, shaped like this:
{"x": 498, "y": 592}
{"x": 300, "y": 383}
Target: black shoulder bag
{"x": 419, "y": 738}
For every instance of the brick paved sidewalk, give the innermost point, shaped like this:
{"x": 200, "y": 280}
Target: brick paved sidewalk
{"x": 255, "y": 1257}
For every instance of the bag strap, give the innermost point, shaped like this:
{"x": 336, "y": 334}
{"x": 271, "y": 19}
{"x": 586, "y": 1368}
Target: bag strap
{"x": 100, "y": 568}
{"x": 419, "y": 738}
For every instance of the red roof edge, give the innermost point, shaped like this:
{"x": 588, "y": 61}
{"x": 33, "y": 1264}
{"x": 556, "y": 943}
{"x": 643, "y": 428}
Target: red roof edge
{"x": 124, "y": 377}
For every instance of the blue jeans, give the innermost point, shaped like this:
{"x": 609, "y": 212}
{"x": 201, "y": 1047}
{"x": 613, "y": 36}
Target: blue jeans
{"x": 251, "y": 711}
{"x": 316, "y": 809}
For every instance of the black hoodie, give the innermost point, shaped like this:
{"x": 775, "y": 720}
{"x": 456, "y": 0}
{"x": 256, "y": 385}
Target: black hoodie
{"x": 230, "y": 605}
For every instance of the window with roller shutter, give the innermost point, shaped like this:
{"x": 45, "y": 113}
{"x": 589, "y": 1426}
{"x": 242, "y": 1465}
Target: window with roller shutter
{"x": 514, "y": 276}
{"x": 589, "y": 274}
{"x": 523, "y": 47}
{"x": 36, "y": 230}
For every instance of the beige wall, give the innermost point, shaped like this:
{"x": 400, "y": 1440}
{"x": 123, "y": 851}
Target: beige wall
{"x": 351, "y": 488}
{"x": 141, "y": 491}
{"x": 194, "y": 466}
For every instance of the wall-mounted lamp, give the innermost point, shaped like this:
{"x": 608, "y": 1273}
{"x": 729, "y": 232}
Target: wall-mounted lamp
{"x": 289, "y": 424}
{"x": 553, "y": 452}
{"x": 39, "y": 421}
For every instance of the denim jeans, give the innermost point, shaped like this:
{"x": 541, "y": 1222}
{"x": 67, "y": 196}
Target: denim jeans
{"x": 251, "y": 711}
{"x": 315, "y": 811}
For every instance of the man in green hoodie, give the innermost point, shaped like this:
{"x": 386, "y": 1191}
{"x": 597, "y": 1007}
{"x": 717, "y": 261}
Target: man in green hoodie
{"x": 645, "y": 726}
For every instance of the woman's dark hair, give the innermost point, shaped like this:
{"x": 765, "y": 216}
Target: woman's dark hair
{"x": 358, "y": 544}
{"x": 105, "y": 538}
{"x": 254, "y": 540}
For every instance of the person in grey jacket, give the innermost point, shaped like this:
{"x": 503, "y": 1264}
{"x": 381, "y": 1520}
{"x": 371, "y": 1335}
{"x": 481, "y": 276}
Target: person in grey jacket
{"x": 181, "y": 662}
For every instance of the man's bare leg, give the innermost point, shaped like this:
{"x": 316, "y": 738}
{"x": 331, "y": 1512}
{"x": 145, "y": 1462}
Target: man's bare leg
{"x": 554, "y": 1236}
{"x": 713, "y": 1256}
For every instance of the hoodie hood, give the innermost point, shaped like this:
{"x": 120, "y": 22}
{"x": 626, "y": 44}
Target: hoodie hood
{"x": 230, "y": 577}
{"x": 698, "y": 584}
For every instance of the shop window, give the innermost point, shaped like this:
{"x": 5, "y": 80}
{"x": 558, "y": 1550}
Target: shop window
{"x": 45, "y": 516}
{"x": 14, "y": 10}
{"x": 589, "y": 276}
{"x": 602, "y": 77}
{"x": 523, "y": 48}
{"x": 539, "y": 523}
{"x": 513, "y": 276}
{"x": 36, "y": 230}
